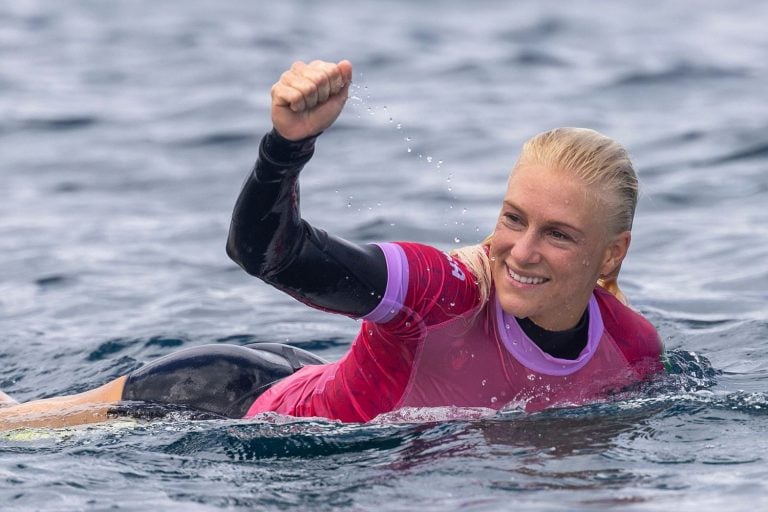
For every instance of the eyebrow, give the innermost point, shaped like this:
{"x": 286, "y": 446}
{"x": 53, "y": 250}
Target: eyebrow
{"x": 549, "y": 222}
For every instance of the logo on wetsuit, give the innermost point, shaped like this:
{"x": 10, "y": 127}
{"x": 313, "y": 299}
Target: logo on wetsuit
{"x": 457, "y": 272}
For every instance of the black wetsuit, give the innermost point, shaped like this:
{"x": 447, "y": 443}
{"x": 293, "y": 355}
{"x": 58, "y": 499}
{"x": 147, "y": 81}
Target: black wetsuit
{"x": 269, "y": 239}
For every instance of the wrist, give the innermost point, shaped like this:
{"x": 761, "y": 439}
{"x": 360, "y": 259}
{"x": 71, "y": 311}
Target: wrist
{"x": 281, "y": 151}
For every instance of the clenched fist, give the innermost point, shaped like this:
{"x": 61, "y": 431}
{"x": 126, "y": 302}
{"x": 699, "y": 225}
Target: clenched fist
{"x": 309, "y": 97}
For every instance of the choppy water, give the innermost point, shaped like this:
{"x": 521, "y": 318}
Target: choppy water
{"x": 127, "y": 127}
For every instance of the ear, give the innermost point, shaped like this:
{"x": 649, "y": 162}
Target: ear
{"x": 614, "y": 255}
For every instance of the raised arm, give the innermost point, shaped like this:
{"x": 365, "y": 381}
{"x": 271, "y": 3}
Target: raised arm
{"x": 267, "y": 237}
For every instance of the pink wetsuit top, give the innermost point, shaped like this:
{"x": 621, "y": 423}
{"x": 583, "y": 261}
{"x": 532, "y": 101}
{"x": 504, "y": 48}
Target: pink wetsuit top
{"x": 431, "y": 343}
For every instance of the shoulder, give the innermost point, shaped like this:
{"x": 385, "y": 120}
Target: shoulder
{"x": 635, "y": 336}
{"x": 425, "y": 280}
{"x": 433, "y": 270}
{"x": 428, "y": 258}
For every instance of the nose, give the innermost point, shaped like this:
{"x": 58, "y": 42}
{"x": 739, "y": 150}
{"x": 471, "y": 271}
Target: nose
{"x": 525, "y": 250}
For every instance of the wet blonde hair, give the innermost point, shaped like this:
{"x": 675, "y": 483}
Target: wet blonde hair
{"x": 602, "y": 163}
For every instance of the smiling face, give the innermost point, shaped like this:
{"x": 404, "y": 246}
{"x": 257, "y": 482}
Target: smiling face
{"x": 550, "y": 245}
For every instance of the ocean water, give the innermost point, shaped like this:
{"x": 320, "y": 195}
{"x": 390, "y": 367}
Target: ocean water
{"x": 127, "y": 127}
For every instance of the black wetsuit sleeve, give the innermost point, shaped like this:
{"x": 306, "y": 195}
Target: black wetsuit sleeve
{"x": 269, "y": 239}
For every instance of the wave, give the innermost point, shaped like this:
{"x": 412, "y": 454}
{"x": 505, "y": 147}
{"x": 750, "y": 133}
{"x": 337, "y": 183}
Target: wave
{"x": 419, "y": 435}
{"x": 756, "y": 151}
{"x": 683, "y": 71}
{"x": 223, "y": 138}
{"x": 63, "y": 123}
{"x": 542, "y": 29}
{"x": 535, "y": 57}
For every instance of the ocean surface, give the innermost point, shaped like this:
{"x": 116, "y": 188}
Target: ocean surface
{"x": 127, "y": 128}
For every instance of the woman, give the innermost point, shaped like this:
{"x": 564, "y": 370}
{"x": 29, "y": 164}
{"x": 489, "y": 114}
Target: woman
{"x": 518, "y": 319}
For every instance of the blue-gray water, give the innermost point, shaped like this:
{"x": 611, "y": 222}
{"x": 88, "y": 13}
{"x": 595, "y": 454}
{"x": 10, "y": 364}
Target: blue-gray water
{"x": 127, "y": 127}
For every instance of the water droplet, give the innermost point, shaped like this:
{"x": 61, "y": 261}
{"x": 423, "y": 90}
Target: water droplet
{"x": 407, "y": 324}
{"x": 463, "y": 211}
{"x": 429, "y": 159}
{"x": 409, "y": 150}
{"x": 494, "y": 399}
{"x": 531, "y": 377}
{"x": 399, "y": 126}
{"x": 452, "y": 304}
{"x": 457, "y": 239}
{"x": 484, "y": 382}
{"x": 407, "y": 139}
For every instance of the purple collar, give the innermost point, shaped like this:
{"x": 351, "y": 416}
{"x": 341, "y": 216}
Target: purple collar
{"x": 522, "y": 348}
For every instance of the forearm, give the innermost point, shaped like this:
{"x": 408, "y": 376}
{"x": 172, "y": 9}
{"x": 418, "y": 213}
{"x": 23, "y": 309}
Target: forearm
{"x": 269, "y": 240}
{"x": 266, "y": 219}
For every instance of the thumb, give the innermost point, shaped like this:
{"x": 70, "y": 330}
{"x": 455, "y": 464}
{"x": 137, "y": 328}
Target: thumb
{"x": 345, "y": 67}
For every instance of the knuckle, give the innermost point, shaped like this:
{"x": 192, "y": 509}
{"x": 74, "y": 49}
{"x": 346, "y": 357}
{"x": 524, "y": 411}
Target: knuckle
{"x": 330, "y": 67}
{"x": 313, "y": 73}
{"x": 296, "y": 96}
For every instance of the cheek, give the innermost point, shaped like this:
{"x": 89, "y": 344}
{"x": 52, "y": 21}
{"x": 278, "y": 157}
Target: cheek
{"x": 498, "y": 243}
{"x": 503, "y": 239}
{"x": 582, "y": 266}
{"x": 575, "y": 265}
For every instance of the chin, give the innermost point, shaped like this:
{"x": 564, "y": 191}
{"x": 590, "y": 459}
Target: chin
{"x": 516, "y": 307}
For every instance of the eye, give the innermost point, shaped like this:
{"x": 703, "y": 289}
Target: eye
{"x": 560, "y": 236}
{"x": 512, "y": 219}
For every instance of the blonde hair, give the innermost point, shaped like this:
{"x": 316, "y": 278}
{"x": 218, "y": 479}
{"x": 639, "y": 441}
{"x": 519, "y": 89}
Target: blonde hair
{"x": 602, "y": 163}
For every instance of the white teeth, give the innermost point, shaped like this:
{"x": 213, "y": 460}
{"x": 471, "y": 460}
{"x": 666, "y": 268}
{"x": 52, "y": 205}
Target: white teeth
{"x": 525, "y": 280}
